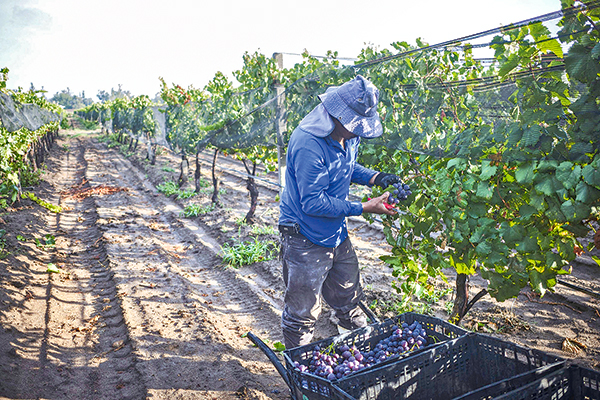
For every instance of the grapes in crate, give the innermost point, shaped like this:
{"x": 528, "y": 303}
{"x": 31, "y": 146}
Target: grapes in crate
{"x": 334, "y": 363}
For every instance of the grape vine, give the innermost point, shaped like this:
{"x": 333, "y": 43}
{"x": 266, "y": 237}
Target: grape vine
{"x": 501, "y": 160}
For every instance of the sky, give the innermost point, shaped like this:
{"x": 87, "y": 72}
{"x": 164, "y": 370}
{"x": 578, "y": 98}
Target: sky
{"x": 88, "y": 46}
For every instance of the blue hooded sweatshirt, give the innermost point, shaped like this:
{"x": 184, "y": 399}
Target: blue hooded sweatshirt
{"x": 317, "y": 180}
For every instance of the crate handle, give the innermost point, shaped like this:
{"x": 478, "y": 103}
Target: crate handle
{"x": 272, "y": 357}
{"x": 367, "y": 310}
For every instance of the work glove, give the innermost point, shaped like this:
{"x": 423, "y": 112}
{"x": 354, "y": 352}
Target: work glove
{"x": 384, "y": 180}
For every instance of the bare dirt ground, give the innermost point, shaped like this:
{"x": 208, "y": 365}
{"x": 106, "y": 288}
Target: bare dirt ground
{"x": 143, "y": 307}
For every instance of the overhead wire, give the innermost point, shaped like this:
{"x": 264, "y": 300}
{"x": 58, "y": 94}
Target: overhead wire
{"x": 542, "y": 18}
{"x": 476, "y": 84}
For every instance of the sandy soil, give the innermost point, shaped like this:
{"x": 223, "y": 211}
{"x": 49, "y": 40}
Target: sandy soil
{"x": 143, "y": 306}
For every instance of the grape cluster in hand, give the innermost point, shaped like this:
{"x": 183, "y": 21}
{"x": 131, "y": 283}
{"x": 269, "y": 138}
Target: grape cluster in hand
{"x": 401, "y": 192}
{"x": 333, "y": 364}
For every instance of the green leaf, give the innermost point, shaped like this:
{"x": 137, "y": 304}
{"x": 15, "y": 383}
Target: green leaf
{"x": 596, "y": 52}
{"x": 547, "y": 166}
{"x": 526, "y": 211}
{"x": 548, "y": 185}
{"x": 445, "y": 182}
{"x": 477, "y": 210}
{"x": 458, "y": 163}
{"x": 509, "y": 65}
{"x": 487, "y": 171}
{"x": 485, "y": 190}
{"x": 531, "y": 135}
{"x": 577, "y": 228}
{"x": 515, "y": 133}
{"x": 511, "y": 234}
{"x": 528, "y": 245}
{"x": 553, "y": 211}
{"x": 552, "y": 46}
{"x": 478, "y": 235}
{"x": 591, "y": 175}
{"x": 279, "y": 346}
{"x": 586, "y": 194}
{"x": 569, "y": 174}
{"x": 483, "y": 248}
{"x": 504, "y": 287}
{"x": 461, "y": 267}
{"x": 53, "y": 268}
{"x": 574, "y": 210}
{"x": 525, "y": 174}
{"x": 542, "y": 281}
{"x": 579, "y": 63}
{"x": 393, "y": 260}
{"x": 538, "y": 31}
{"x": 537, "y": 201}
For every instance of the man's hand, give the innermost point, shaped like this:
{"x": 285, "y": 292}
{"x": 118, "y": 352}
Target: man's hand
{"x": 378, "y": 205}
{"x": 384, "y": 180}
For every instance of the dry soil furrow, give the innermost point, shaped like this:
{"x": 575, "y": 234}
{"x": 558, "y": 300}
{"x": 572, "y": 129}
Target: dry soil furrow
{"x": 114, "y": 373}
{"x": 181, "y": 306}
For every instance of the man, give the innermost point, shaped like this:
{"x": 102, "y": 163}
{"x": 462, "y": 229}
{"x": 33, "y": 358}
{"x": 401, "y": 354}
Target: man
{"x": 317, "y": 255}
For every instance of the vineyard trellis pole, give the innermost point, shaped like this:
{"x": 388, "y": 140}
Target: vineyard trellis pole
{"x": 280, "y": 125}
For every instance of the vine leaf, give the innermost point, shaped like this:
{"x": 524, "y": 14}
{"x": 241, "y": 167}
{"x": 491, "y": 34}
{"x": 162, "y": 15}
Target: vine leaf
{"x": 485, "y": 190}
{"x": 525, "y": 174}
{"x": 591, "y": 175}
{"x": 548, "y": 185}
{"x": 487, "y": 171}
{"x": 568, "y": 174}
{"x": 511, "y": 234}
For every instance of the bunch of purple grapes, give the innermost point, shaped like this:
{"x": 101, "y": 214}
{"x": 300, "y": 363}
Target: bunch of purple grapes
{"x": 331, "y": 364}
{"x": 401, "y": 192}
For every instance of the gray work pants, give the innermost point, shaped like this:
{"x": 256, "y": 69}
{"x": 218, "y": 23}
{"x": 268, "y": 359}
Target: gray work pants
{"x": 311, "y": 272}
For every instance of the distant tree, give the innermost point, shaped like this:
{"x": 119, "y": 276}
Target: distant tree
{"x": 39, "y": 92}
{"x": 71, "y": 101}
{"x": 104, "y": 96}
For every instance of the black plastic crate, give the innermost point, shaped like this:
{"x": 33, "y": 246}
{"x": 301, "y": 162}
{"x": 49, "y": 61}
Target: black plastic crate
{"x": 495, "y": 389}
{"x": 569, "y": 383}
{"x": 449, "y": 370}
{"x": 317, "y": 388}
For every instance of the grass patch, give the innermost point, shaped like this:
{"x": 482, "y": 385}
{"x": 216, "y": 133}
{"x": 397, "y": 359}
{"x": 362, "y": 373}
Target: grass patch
{"x": 170, "y": 188}
{"x": 88, "y": 125}
{"x": 263, "y": 230}
{"x": 29, "y": 177}
{"x": 246, "y": 253}
{"x": 194, "y": 210}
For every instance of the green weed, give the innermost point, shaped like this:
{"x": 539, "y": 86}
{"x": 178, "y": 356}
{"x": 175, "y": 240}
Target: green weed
{"x": 29, "y": 177}
{"x": 246, "y": 253}
{"x": 263, "y": 230}
{"x": 47, "y": 242}
{"x": 3, "y": 251}
{"x": 45, "y": 204}
{"x": 194, "y": 210}
{"x": 170, "y": 188}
